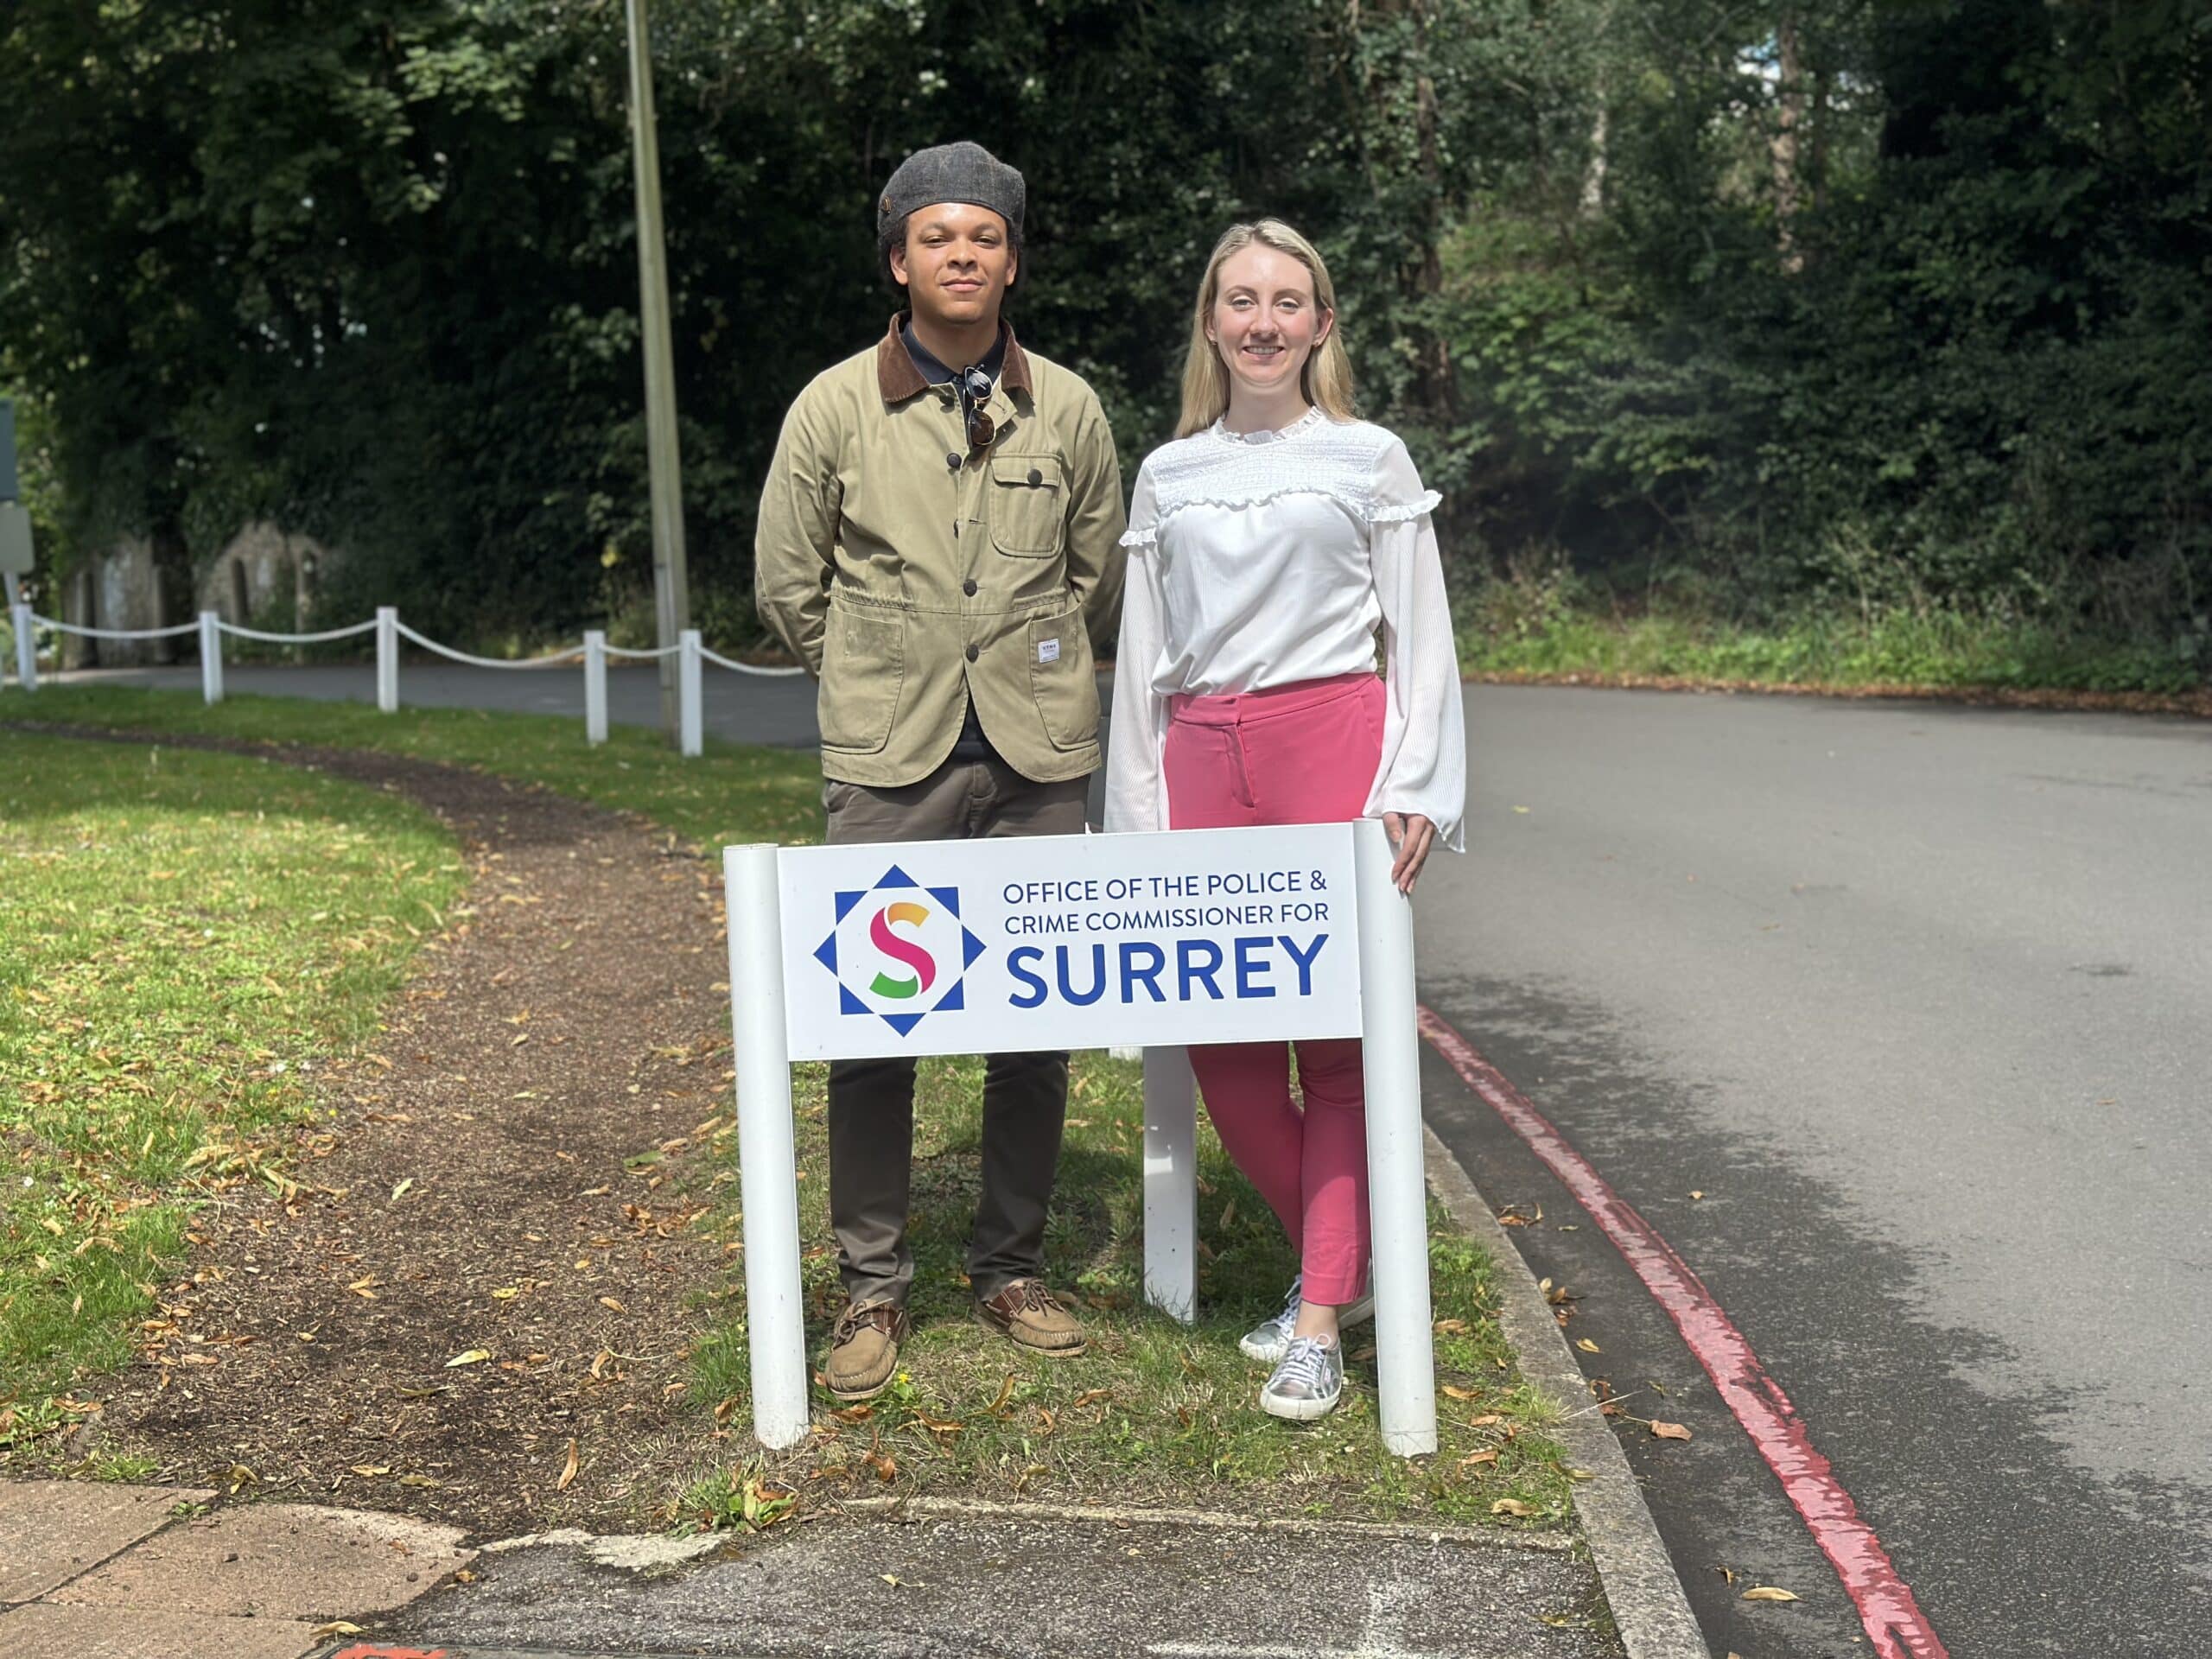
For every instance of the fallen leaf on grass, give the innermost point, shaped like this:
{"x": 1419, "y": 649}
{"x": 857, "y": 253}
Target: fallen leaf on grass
{"x": 1512, "y": 1506}
{"x": 1090, "y": 1397}
{"x": 859, "y": 1414}
{"x": 469, "y": 1356}
{"x": 886, "y": 1466}
{"x": 1453, "y": 1391}
{"x": 608, "y": 1301}
{"x": 361, "y": 1288}
{"x": 1451, "y": 1327}
{"x": 1669, "y": 1431}
{"x": 568, "y": 1469}
{"x": 998, "y": 1407}
{"x": 1488, "y": 1454}
{"x": 1767, "y": 1592}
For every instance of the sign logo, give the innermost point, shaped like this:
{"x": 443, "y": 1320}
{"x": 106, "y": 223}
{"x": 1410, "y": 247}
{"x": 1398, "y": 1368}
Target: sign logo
{"x": 898, "y": 950}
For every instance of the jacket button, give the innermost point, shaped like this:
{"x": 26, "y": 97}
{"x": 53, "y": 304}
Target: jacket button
{"x": 973, "y": 653}
{"x": 952, "y": 459}
{"x": 969, "y": 586}
{"x": 1035, "y": 478}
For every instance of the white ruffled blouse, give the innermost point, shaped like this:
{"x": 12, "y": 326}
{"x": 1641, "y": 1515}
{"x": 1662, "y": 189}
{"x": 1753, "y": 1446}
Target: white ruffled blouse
{"x": 1262, "y": 560}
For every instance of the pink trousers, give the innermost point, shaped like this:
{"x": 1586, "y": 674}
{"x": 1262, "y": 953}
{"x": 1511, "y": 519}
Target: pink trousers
{"x": 1302, "y": 753}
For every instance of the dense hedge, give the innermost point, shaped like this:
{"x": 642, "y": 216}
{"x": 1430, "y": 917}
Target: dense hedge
{"x": 1752, "y": 310}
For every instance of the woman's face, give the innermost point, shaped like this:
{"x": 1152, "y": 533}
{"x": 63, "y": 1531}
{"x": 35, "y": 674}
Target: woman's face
{"x": 1264, "y": 322}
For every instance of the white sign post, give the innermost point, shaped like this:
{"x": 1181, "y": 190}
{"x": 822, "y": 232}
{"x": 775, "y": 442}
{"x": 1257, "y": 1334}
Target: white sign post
{"x": 1006, "y": 946}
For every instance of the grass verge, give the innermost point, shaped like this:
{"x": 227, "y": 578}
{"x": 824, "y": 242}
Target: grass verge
{"x": 188, "y": 942}
{"x": 1154, "y": 1412}
{"x": 1512, "y": 630}
{"x": 738, "y": 794}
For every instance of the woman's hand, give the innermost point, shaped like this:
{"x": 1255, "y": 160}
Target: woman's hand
{"x": 1413, "y": 835}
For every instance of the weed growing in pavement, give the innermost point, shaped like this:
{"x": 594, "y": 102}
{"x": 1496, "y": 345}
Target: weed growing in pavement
{"x": 187, "y": 942}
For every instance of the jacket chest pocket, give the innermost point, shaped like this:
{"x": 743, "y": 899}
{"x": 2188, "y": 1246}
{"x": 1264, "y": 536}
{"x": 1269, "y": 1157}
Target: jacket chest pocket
{"x": 1028, "y": 503}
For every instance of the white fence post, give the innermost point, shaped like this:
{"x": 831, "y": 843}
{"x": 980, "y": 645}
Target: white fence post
{"x": 26, "y": 646}
{"x": 211, "y": 658}
{"x": 387, "y": 658}
{"x": 1171, "y": 1183}
{"x": 768, "y": 1160}
{"x": 595, "y": 685}
{"x": 689, "y": 716}
{"x": 1405, "y": 1354}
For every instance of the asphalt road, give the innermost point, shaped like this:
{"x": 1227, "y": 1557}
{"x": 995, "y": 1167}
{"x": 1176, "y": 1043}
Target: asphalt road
{"x": 1919, "y": 997}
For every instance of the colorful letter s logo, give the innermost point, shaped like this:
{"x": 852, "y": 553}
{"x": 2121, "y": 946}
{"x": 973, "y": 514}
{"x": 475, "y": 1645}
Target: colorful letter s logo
{"x": 881, "y": 935}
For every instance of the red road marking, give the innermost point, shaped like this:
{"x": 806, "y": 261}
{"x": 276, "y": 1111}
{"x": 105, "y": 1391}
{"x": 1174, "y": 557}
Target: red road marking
{"x": 1892, "y": 1619}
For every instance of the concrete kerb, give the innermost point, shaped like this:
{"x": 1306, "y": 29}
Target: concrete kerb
{"x": 1650, "y": 1606}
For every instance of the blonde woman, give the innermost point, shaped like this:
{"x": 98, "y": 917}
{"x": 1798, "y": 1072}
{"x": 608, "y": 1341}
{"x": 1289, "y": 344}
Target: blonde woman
{"x": 1272, "y": 545}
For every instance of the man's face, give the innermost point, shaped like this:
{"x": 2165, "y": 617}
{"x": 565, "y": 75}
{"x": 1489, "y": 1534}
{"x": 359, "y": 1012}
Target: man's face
{"x": 957, "y": 263}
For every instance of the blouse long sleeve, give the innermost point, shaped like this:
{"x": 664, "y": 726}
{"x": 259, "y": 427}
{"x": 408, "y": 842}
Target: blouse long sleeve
{"x": 1136, "y": 795}
{"x": 1424, "y": 767}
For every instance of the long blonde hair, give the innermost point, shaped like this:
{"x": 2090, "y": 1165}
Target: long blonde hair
{"x": 1326, "y": 378}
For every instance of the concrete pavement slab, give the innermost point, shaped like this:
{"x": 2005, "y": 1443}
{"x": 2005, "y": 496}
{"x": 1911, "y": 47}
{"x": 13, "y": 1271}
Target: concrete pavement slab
{"x": 279, "y": 1560}
{"x": 44, "y": 1631}
{"x": 1024, "y": 1587}
{"x": 52, "y": 1530}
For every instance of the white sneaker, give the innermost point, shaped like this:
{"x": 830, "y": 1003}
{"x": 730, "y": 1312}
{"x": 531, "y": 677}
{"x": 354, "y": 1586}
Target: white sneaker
{"x": 1270, "y": 1340}
{"x": 1308, "y": 1383}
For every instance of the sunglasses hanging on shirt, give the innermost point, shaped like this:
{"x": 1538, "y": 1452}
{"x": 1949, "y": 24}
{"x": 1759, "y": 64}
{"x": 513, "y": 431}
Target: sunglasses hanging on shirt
{"x": 975, "y": 388}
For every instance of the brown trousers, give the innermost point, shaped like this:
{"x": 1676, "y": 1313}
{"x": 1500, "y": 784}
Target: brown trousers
{"x": 872, "y": 1102}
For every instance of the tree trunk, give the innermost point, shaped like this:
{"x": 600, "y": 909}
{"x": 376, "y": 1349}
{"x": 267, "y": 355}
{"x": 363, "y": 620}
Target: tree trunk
{"x": 1433, "y": 385}
{"x": 1790, "y": 116}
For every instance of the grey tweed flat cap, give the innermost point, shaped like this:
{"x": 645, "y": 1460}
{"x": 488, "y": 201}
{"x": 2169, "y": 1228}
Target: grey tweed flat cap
{"x": 962, "y": 172}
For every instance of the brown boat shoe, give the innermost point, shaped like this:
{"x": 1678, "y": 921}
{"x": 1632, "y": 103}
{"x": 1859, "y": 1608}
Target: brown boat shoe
{"x": 864, "y": 1349}
{"x": 1024, "y": 1310}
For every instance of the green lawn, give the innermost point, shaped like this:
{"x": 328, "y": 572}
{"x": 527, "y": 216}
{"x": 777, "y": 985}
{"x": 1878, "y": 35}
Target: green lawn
{"x": 1526, "y": 630}
{"x": 188, "y": 942}
{"x": 733, "y": 793}
{"x": 1153, "y": 1412}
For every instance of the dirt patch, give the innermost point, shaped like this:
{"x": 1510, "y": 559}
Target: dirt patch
{"x": 514, "y": 1173}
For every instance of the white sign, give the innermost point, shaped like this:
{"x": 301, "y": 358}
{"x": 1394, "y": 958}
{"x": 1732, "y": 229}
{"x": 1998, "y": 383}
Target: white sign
{"x": 15, "y": 539}
{"x": 1049, "y": 941}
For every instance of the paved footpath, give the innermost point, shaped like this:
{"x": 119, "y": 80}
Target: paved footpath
{"x": 110, "y": 1572}
{"x": 92, "y": 1571}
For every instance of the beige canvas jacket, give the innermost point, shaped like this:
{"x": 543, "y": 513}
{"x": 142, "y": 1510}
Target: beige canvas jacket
{"x": 911, "y": 574}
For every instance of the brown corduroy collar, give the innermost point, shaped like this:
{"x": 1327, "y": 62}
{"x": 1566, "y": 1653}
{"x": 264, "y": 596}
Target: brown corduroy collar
{"x": 898, "y": 379}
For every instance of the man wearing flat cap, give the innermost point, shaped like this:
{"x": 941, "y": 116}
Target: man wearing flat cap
{"x": 939, "y": 542}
